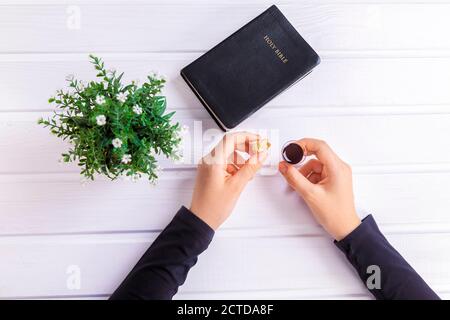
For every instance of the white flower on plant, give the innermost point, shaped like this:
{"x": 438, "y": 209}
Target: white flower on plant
{"x": 137, "y": 109}
{"x": 101, "y": 120}
{"x": 126, "y": 158}
{"x": 80, "y": 114}
{"x": 100, "y": 100}
{"x": 122, "y": 96}
{"x": 105, "y": 85}
{"x": 117, "y": 143}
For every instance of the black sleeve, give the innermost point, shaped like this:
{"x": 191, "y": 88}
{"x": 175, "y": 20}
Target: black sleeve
{"x": 366, "y": 246}
{"x": 165, "y": 265}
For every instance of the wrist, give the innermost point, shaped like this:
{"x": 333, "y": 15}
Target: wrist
{"x": 347, "y": 228}
{"x": 205, "y": 216}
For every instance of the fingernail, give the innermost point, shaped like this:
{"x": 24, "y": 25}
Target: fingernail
{"x": 282, "y": 167}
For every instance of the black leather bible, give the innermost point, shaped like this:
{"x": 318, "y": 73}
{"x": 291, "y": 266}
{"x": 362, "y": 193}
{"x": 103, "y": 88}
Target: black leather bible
{"x": 249, "y": 68}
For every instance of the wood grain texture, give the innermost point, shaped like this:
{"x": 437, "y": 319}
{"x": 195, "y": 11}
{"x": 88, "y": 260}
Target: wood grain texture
{"x": 192, "y": 26}
{"x": 380, "y": 98}
{"x": 231, "y": 264}
{"x": 359, "y": 139}
{"x": 60, "y": 204}
{"x": 408, "y": 84}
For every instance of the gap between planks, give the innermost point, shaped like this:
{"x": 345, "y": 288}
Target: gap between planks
{"x": 25, "y": 56}
{"x": 146, "y": 236}
{"x": 305, "y": 111}
{"x": 190, "y": 171}
{"x": 247, "y": 2}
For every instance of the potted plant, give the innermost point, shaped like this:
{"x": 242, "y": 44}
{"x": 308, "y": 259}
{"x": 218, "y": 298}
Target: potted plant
{"x": 114, "y": 129}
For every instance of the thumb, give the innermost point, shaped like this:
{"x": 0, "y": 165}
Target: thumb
{"x": 249, "y": 169}
{"x": 295, "y": 179}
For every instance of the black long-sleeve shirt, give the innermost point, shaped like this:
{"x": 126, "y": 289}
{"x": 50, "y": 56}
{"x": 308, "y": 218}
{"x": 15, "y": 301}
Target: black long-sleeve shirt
{"x": 369, "y": 252}
{"x": 165, "y": 265}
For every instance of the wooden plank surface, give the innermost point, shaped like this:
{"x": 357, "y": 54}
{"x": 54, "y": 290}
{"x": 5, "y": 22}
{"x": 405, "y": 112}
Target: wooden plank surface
{"x": 193, "y": 26}
{"x": 359, "y": 139}
{"x": 232, "y": 263}
{"x": 54, "y": 204}
{"x": 380, "y": 97}
{"x": 405, "y": 83}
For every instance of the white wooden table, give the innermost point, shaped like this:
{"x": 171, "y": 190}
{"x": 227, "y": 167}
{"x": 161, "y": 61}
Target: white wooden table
{"x": 381, "y": 97}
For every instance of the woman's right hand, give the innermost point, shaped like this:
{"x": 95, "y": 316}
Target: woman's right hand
{"x": 325, "y": 184}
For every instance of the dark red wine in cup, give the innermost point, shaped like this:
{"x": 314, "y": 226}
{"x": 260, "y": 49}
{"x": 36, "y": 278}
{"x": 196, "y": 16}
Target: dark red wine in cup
{"x": 293, "y": 153}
